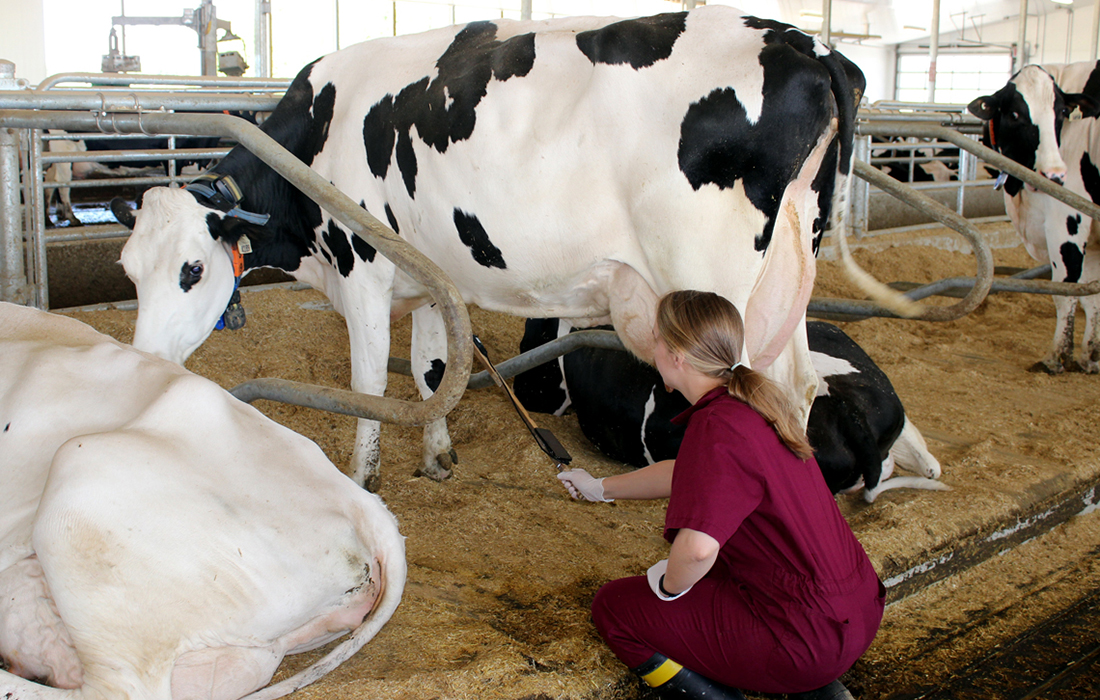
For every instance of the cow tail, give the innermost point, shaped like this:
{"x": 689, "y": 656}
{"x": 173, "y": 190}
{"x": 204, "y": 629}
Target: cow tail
{"x": 383, "y": 527}
{"x": 848, "y": 86}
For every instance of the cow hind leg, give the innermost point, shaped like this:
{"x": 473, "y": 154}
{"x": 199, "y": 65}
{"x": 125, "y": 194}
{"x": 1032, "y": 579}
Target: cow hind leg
{"x": 1089, "y": 359}
{"x": 910, "y": 452}
{"x": 1061, "y": 349}
{"x": 429, "y": 353}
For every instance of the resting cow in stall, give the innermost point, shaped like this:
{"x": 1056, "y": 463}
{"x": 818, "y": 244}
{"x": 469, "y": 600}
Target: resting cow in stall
{"x": 161, "y": 539}
{"x": 1029, "y": 120}
{"x": 576, "y": 167}
{"x": 857, "y": 427}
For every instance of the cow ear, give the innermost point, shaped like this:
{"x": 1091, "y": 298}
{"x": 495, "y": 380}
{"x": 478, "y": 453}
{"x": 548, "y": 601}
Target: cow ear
{"x": 230, "y": 228}
{"x": 1089, "y": 107}
{"x": 984, "y": 107}
{"x": 123, "y": 213}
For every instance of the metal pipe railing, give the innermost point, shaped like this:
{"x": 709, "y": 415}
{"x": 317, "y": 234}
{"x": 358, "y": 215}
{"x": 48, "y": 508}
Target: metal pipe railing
{"x": 982, "y": 254}
{"x": 356, "y": 218}
{"x": 124, "y": 81}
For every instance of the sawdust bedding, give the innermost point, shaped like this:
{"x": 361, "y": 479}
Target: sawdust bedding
{"x": 503, "y": 565}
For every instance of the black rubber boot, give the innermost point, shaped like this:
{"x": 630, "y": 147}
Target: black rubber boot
{"x": 671, "y": 681}
{"x": 833, "y": 691}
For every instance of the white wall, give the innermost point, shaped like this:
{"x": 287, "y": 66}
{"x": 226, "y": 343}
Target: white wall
{"x": 22, "y": 38}
{"x": 877, "y": 64}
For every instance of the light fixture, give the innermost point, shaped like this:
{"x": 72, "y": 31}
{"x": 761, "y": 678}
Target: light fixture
{"x": 810, "y": 14}
{"x": 1062, "y": 2}
{"x": 916, "y": 29}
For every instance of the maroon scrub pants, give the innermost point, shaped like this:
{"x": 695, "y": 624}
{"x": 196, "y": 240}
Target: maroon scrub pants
{"x": 717, "y": 630}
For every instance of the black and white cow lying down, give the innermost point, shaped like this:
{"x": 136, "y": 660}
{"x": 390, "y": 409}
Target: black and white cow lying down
{"x": 1026, "y": 120}
{"x": 857, "y": 427}
{"x": 578, "y": 167}
{"x": 161, "y": 539}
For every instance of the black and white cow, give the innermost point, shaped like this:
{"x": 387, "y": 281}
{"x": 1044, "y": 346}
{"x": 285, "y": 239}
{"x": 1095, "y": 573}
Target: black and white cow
{"x": 1026, "y": 120}
{"x": 577, "y": 167}
{"x": 857, "y": 426}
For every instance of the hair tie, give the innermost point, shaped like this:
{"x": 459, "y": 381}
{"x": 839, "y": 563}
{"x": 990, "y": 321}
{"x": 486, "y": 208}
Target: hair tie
{"x": 739, "y": 363}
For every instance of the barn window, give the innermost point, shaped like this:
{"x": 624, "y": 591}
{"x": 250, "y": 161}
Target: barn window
{"x": 960, "y": 77}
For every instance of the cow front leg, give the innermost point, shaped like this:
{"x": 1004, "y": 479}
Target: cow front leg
{"x": 429, "y": 353}
{"x": 369, "y": 341}
{"x": 1061, "y": 349}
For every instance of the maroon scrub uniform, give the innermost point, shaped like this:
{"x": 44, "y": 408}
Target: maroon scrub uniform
{"x": 792, "y": 599}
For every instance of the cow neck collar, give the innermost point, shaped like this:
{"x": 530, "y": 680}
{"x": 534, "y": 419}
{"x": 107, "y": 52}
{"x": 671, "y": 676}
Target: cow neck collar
{"x": 222, "y": 192}
{"x": 234, "y": 317}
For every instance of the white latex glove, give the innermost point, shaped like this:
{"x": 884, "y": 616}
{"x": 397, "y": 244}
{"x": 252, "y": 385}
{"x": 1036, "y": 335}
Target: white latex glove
{"x": 583, "y": 486}
{"x": 655, "y": 575}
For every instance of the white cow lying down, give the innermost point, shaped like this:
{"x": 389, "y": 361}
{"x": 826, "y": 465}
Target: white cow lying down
{"x": 159, "y": 538}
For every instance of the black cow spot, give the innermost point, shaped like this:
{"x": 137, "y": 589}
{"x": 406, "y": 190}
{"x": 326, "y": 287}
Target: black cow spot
{"x": 7, "y": 427}
{"x": 639, "y": 42}
{"x": 190, "y": 274}
{"x": 364, "y": 250}
{"x": 1091, "y": 176}
{"x": 824, "y": 184}
{"x": 323, "y": 106}
{"x": 718, "y": 144}
{"x": 336, "y": 238}
{"x": 392, "y": 220}
{"x": 473, "y": 235}
{"x": 435, "y": 375}
{"x": 1073, "y": 223}
{"x": 443, "y": 110}
{"x": 1072, "y": 259}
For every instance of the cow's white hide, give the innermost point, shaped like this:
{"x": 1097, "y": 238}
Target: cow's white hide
{"x": 159, "y": 538}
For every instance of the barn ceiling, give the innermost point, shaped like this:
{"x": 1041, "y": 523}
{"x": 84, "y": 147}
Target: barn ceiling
{"x": 881, "y": 22}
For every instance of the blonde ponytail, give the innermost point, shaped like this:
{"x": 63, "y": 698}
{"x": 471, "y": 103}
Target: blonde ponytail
{"x": 707, "y": 329}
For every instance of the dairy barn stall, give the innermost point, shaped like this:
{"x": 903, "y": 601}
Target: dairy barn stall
{"x": 991, "y": 585}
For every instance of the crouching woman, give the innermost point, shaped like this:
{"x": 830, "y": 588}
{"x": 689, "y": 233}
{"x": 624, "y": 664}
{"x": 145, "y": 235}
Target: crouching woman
{"x": 765, "y": 587}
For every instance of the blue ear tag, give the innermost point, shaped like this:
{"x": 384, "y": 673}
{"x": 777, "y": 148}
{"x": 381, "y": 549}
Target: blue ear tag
{"x": 1000, "y": 181}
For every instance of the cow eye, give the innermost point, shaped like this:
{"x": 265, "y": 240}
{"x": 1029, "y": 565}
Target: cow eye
{"x": 190, "y": 274}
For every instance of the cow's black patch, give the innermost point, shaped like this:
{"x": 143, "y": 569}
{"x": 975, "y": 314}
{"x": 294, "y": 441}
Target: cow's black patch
{"x": 473, "y": 235}
{"x": 824, "y": 184}
{"x": 190, "y": 274}
{"x": 392, "y": 220}
{"x": 443, "y": 110}
{"x": 1072, "y": 259}
{"x": 364, "y": 250}
{"x": 718, "y": 144}
{"x": 336, "y": 238}
{"x": 1091, "y": 177}
{"x": 639, "y": 42}
{"x": 7, "y": 427}
{"x": 300, "y": 123}
{"x": 323, "y": 106}
{"x": 435, "y": 375}
{"x": 1073, "y": 223}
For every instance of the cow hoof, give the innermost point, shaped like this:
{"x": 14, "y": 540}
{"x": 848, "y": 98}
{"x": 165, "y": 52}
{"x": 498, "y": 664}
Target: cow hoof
{"x": 373, "y": 483}
{"x": 441, "y": 470}
{"x": 1043, "y": 367}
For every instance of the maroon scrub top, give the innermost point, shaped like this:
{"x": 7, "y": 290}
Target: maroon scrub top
{"x": 783, "y": 539}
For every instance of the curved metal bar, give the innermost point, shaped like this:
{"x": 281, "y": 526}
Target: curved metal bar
{"x": 357, "y": 219}
{"x": 984, "y": 258}
{"x": 990, "y": 156}
{"x": 607, "y": 340}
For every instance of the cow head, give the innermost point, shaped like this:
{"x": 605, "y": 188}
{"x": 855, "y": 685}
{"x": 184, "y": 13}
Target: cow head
{"x": 179, "y": 260}
{"x": 1023, "y": 121}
